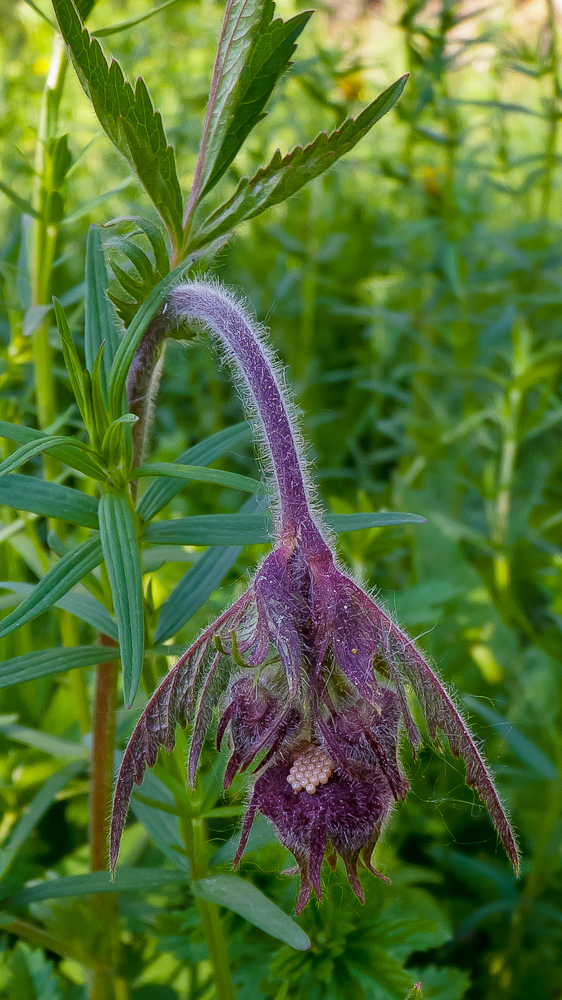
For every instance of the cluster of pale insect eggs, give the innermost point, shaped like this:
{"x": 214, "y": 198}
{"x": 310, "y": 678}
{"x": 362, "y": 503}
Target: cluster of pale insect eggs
{"x": 311, "y": 767}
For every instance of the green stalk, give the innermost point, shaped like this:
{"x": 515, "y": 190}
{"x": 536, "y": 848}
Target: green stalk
{"x": 194, "y": 836}
{"x": 553, "y": 115}
{"x": 195, "y": 839}
{"x": 43, "y": 242}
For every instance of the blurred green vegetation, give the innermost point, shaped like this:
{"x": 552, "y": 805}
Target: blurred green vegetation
{"x": 415, "y": 293}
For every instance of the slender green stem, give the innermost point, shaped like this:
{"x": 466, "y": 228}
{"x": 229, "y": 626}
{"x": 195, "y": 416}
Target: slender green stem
{"x": 195, "y": 839}
{"x": 42, "y": 939}
{"x": 553, "y": 115}
{"x": 194, "y": 836}
{"x": 44, "y": 237}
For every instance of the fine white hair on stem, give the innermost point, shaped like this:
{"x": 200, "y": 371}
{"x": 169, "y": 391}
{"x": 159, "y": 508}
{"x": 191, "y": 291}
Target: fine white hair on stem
{"x": 259, "y": 377}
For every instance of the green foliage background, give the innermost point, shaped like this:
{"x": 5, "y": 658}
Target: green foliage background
{"x": 414, "y": 292}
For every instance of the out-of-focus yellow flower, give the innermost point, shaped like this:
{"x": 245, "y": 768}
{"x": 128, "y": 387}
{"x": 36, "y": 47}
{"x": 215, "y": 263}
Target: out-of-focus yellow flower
{"x": 41, "y": 66}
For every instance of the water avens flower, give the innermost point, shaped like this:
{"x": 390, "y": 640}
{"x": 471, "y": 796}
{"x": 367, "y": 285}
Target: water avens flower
{"x": 308, "y": 670}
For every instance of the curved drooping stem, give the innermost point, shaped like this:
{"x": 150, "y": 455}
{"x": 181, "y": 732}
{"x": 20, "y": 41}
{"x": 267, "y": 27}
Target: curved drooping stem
{"x": 211, "y": 305}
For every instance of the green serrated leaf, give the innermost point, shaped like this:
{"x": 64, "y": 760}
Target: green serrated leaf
{"x": 48, "y": 499}
{"x": 82, "y": 606}
{"x": 153, "y": 235}
{"x": 273, "y": 44}
{"x": 56, "y": 660}
{"x": 246, "y": 899}
{"x": 122, "y": 559}
{"x": 58, "y": 581}
{"x": 138, "y": 258}
{"x": 127, "y": 116}
{"x": 131, "y": 285}
{"x": 100, "y": 320}
{"x": 285, "y": 175}
{"x": 161, "y": 492}
{"x": 199, "y": 474}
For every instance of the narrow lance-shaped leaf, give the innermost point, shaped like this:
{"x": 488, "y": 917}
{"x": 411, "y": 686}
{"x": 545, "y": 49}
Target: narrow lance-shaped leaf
{"x": 127, "y": 880}
{"x": 210, "y": 529}
{"x": 161, "y": 825}
{"x": 122, "y": 559}
{"x": 285, "y": 175}
{"x": 195, "y": 588}
{"x": 47, "y": 442}
{"x": 48, "y": 499}
{"x": 163, "y": 490}
{"x": 127, "y": 116}
{"x": 100, "y": 319}
{"x": 67, "y": 453}
{"x": 55, "y": 660}
{"x": 69, "y": 570}
{"x": 254, "y": 529}
{"x": 114, "y": 29}
{"x": 81, "y": 605}
{"x": 273, "y": 45}
{"x": 201, "y": 580}
{"x": 72, "y": 361}
{"x": 199, "y": 474}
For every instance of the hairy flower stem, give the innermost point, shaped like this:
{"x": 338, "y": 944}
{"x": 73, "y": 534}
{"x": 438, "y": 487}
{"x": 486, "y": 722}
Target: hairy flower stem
{"x": 143, "y": 382}
{"x": 203, "y": 303}
{"x": 103, "y": 741}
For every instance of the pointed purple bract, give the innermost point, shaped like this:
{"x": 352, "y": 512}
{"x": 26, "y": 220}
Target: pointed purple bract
{"x": 322, "y": 664}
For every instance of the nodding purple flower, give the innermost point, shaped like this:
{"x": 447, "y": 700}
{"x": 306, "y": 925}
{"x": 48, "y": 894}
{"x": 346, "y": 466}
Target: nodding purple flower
{"x": 310, "y": 672}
